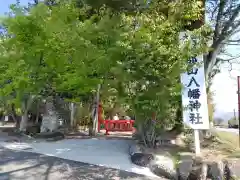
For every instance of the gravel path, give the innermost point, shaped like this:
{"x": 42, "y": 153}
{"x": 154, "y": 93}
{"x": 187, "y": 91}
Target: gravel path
{"x": 17, "y": 165}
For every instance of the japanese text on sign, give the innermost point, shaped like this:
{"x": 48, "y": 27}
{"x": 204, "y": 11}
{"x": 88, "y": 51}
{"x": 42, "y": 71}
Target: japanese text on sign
{"x": 194, "y": 98}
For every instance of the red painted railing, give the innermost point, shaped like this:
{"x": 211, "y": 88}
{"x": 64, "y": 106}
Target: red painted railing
{"x": 118, "y": 125}
{"x": 113, "y": 125}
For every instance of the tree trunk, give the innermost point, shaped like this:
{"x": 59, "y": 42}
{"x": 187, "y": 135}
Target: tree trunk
{"x": 17, "y": 125}
{"x": 95, "y": 115}
{"x": 18, "y": 121}
{"x": 50, "y": 117}
{"x": 24, "y": 121}
{"x": 72, "y": 108}
{"x": 26, "y": 104}
{"x": 37, "y": 112}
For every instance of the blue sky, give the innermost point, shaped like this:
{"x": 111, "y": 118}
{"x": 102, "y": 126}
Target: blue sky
{"x": 4, "y": 4}
{"x": 224, "y": 85}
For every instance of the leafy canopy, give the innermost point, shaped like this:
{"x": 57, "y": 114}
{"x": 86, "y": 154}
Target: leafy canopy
{"x": 64, "y": 48}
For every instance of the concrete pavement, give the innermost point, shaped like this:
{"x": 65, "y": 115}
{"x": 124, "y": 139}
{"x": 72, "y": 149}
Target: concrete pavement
{"x": 112, "y": 153}
{"x": 17, "y": 165}
{"x": 236, "y": 131}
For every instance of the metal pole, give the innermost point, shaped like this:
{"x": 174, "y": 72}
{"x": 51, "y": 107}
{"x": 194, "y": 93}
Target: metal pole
{"x": 238, "y": 83}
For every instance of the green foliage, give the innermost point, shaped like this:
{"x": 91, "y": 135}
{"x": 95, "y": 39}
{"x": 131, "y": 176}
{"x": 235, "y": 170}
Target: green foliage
{"x": 233, "y": 121}
{"x": 64, "y": 48}
{"x": 148, "y": 72}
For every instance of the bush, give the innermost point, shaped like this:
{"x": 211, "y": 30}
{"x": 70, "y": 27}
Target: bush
{"x": 233, "y": 123}
{"x": 218, "y": 121}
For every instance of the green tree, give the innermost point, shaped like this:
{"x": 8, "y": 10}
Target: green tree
{"x": 47, "y": 53}
{"x": 66, "y": 49}
{"x": 223, "y": 18}
{"x": 233, "y": 122}
{"x": 147, "y": 74}
{"x": 218, "y": 121}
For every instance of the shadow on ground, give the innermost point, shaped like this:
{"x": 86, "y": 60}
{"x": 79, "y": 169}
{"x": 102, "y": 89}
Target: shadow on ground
{"x": 15, "y": 165}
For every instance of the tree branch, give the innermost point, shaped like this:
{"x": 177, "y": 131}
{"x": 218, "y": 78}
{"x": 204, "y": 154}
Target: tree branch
{"x": 226, "y": 24}
{"x": 227, "y": 60}
{"x": 36, "y": 1}
{"x": 219, "y": 16}
{"x": 226, "y": 32}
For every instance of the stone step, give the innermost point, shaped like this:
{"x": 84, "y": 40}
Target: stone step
{"x": 185, "y": 164}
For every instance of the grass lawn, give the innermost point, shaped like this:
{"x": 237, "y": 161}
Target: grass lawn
{"x": 232, "y": 141}
{"x": 227, "y": 143}
{"x": 229, "y": 138}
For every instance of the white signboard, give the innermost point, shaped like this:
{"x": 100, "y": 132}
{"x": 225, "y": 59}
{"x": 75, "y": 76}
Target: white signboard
{"x": 194, "y": 96}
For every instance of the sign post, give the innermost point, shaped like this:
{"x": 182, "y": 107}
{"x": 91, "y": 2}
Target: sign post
{"x": 238, "y": 83}
{"x": 194, "y": 95}
{"x": 197, "y": 142}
